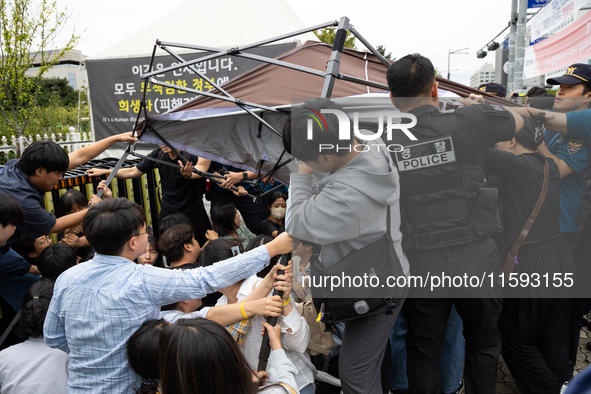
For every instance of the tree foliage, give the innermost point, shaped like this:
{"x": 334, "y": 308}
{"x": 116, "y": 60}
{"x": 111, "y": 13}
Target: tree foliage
{"x": 27, "y": 37}
{"x": 56, "y": 90}
{"x": 328, "y": 35}
{"x": 382, "y": 51}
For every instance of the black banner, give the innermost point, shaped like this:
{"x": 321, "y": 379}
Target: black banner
{"x": 116, "y": 88}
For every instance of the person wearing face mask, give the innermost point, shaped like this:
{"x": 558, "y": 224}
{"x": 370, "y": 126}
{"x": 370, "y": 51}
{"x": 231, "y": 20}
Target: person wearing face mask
{"x": 275, "y": 223}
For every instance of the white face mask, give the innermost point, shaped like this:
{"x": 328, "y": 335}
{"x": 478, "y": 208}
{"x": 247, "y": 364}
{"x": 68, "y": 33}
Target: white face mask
{"x": 278, "y": 213}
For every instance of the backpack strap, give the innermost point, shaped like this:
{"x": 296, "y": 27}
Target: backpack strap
{"x": 288, "y": 388}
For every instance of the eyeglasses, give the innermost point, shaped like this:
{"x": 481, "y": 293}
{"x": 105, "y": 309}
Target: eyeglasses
{"x": 148, "y": 232}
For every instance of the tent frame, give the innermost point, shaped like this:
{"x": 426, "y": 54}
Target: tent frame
{"x": 330, "y": 75}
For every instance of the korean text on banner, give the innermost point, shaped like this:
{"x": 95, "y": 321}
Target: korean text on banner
{"x": 569, "y": 46}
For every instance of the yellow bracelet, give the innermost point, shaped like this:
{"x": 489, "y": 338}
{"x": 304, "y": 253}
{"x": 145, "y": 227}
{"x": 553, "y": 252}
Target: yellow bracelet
{"x": 286, "y": 303}
{"x": 242, "y": 310}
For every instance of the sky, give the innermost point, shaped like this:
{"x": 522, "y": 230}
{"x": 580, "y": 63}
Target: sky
{"x": 429, "y": 27}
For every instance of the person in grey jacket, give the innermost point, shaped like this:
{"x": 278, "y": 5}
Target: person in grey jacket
{"x": 345, "y": 212}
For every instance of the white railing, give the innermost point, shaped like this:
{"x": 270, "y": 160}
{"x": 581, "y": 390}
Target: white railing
{"x": 71, "y": 141}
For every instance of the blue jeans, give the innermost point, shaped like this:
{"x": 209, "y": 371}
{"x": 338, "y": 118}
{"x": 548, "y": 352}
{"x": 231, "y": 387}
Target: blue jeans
{"x": 308, "y": 389}
{"x": 451, "y": 358}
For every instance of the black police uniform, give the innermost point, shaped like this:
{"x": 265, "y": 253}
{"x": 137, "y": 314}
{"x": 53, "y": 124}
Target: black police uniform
{"x": 449, "y": 209}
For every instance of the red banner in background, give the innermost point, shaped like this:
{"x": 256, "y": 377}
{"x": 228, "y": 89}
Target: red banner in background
{"x": 571, "y": 45}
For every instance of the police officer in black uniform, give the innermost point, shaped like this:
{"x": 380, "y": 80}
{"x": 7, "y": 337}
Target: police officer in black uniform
{"x": 450, "y": 214}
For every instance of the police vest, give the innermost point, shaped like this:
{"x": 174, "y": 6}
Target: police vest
{"x": 444, "y": 202}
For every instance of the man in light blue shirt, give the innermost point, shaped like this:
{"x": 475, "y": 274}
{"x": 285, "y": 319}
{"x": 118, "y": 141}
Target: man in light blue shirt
{"x": 97, "y": 305}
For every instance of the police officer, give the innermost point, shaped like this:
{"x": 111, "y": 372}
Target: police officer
{"x": 573, "y": 156}
{"x": 450, "y": 214}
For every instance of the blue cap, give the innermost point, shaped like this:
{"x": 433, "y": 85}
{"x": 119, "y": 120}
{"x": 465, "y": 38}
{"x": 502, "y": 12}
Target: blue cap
{"x": 493, "y": 88}
{"x": 576, "y": 73}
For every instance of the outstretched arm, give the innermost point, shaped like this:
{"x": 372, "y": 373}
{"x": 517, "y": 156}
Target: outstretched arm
{"x": 232, "y": 313}
{"x": 89, "y": 152}
{"x": 554, "y": 121}
{"x": 123, "y": 173}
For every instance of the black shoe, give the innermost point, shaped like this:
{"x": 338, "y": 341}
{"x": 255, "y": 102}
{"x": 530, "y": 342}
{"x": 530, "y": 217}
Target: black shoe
{"x": 460, "y": 389}
{"x": 588, "y": 346}
{"x": 403, "y": 391}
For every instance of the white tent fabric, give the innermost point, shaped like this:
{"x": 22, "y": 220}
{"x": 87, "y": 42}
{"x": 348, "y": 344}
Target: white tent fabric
{"x": 193, "y": 21}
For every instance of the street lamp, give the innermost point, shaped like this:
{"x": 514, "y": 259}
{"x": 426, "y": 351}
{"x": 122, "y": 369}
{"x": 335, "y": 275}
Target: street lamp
{"x": 456, "y": 52}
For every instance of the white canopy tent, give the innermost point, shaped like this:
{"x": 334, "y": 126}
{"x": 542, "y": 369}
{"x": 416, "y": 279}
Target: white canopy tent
{"x": 208, "y": 23}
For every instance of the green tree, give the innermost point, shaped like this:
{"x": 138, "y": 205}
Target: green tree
{"x": 26, "y": 38}
{"x": 382, "y": 51}
{"x": 56, "y": 89}
{"x": 438, "y": 73}
{"x": 328, "y": 35}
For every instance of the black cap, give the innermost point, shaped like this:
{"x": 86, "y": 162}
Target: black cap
{"x": 576, "y": 73}
{"x": 493, "y": 88}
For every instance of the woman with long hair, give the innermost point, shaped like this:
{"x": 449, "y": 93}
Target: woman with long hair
{"x": 142, "y": 354}
{"x": 295, "y": 330}
{"x": 198, "y": 356}
{"x": 533, "y": 330}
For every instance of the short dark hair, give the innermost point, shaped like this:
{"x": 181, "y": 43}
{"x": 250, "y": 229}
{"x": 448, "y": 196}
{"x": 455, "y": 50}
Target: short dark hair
{"x": 71, "y": 199}
{"x": 170, "y": 220}
{"x": 199, "y": 356}
{"x": 55, "y": 259}
{"x": 46, "y": 154}
{"x": 111, "y": 223}
{"x": 11, "y": 211}
{"x": 410, "y": 77}
{"x": 24, "y": 245}
{"x": 34, "y": 309}
{"x": 222, "y": 218}
{"x": 172, "y": 241}
{"x": 219, "y": 250}
{"x": 325, "y": 131}
{"x": 536, "y": 91}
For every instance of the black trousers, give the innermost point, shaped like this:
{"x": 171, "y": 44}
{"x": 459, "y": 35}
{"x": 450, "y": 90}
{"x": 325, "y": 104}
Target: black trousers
{"x": 199, "y": 220}
{"x": 427, "y": 320}
{"x": 535, "y": 342}
{"x": 479, "y": 309}
{"x": 534, "y": 331}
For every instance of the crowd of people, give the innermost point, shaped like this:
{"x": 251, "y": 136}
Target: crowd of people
{"x": 114, "y": 308}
